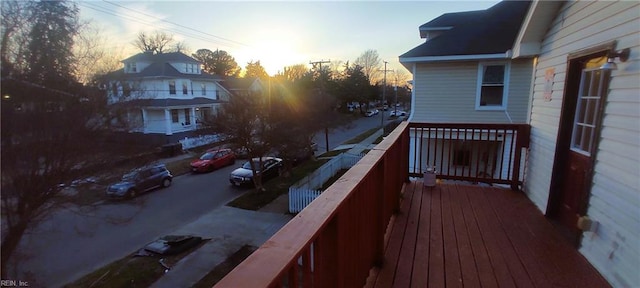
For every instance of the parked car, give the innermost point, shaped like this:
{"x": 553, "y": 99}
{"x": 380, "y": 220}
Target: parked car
{"x": 299, "y": 156}
{"x": 141, "y": 180}
{"x": 398, "y": 113}
{"x": 371, "y": 113}
{"x": 213, "y": 159}
{"x": 243, "y": 176}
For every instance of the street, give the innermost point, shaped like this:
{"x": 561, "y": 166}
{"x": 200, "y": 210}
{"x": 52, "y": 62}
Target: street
{"x": 70, "y": 244}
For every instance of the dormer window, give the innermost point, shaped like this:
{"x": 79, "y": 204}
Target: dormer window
{"x": 191, "y": 68}
{"x": 131, "y": 67}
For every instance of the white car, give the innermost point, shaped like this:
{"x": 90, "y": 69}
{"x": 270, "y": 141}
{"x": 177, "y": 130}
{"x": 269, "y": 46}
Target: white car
{"x": 371, "y": 113}
{"x": 398, "y": 113}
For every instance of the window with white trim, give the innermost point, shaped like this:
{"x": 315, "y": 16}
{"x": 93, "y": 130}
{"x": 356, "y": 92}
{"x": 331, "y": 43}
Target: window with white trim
{"x": 172, "y": 87}
{"x": 493, "y": 79}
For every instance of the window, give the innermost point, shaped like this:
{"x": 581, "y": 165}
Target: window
{"x": 187, "y": 116}
{"x": 172, "y": 87}
{"x": 114, "y": 89}
{"x": 185, "y": 89}
{"x": 174, "y": 116}
{"x": 131, "y": 67}
{"x": 189, "y": 68}
{"x": 492, "y": 87}
{"x": 204, "y": 89}
{"x": 588, "y": 106}
{"x": 461, "y": 158}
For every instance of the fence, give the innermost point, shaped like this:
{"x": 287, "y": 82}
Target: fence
{"x": 304, "y": 191}
{"x": 188, "y": 143}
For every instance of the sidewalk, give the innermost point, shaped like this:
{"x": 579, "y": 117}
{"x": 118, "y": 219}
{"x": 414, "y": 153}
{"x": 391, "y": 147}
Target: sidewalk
{"x": 231, "y": 228}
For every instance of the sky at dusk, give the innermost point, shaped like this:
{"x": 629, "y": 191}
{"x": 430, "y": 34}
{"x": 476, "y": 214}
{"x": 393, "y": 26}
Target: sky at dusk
{"x": 277, "y": 34}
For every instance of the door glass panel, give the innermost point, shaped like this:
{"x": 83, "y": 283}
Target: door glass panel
{"x": 586, "y": 117}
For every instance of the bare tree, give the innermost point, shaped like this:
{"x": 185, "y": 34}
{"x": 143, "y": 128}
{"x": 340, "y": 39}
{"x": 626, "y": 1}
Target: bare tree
{"x": 157, "y": 42}
{"x": 245, "y": 121}
{"x": 91, "y": 55}
{"x": 371, "y": 65}
{"x": 294, "y": 72}
{"x": 181, "y": 47}
{"x": 15, "y": 25}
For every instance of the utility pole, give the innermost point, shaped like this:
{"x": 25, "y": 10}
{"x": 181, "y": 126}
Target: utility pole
{"x": 384, "y": 90}
{"x": 326, "y": 128}
{"x": 395, "y": 90}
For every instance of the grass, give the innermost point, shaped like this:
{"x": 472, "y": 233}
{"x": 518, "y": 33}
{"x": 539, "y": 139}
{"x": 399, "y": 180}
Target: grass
{"x": 332, "y": 153}
{"x": 362, "y": 136}
{"x": 254, "y": 200}
{"x": 130, "y": 271}
{"x": 225, "y": 267}
{"x": 179, "y": 167}
{"x": 333, "y": 179}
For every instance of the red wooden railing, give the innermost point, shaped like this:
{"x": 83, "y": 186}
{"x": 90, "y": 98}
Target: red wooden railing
{"x": 340, "y": 236}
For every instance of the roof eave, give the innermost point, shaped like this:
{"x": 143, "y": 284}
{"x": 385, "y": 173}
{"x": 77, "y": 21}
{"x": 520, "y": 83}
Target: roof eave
{"x": 529, "y": 40}
{"x": 504, "y": 55}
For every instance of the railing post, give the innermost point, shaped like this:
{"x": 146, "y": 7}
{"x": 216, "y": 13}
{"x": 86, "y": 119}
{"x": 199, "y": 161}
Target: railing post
{"x": 522, "y": 141}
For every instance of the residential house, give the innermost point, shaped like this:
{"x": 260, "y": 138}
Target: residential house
{"x": 543, "y": 64}
{"x": 578, "y": 127}
{"x": 165, "y": 95}
{"x": 244, "y": 86}
{"x": 465, "y": 73}
{"x": 584, "y": 161}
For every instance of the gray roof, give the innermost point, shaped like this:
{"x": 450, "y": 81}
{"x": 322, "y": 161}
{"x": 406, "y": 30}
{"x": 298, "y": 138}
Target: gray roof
{"x": 239, "y": 83}
{"x": 490, "y": 31}
{"x": 160, "y": 67}
{"x": 161, "y": 57}
{"x": 451, "y": 19}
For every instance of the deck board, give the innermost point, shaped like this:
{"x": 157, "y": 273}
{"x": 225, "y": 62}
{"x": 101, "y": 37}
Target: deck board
{"x": 456, "y": 235}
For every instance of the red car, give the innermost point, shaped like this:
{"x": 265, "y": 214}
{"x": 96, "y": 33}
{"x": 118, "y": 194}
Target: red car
{"x": 213, "y": 159}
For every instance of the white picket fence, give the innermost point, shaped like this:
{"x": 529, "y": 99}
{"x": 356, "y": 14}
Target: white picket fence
{"x": 305, "y": 190}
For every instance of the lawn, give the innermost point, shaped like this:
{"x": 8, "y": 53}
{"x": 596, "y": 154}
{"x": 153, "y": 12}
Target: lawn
{"x": 362, "y": 136}
{"x": 254, "y": 200}
{"x": 130, "y": 271}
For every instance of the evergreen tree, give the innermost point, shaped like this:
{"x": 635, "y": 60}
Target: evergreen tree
{"x": 50, "y": 55}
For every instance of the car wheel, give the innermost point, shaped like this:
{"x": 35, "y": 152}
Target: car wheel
{"x": 132, "y": 193}
{"x": 166, "y": 182}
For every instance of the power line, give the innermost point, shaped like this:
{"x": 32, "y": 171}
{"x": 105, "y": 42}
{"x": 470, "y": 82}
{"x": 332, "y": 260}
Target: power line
{"x": 176, "y": 24}
{"x": 105, "y": 10}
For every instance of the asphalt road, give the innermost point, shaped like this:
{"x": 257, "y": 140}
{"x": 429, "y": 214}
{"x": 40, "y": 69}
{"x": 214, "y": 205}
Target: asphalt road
{"x": 338, "y": 136}
{"x": 71, "y": 243}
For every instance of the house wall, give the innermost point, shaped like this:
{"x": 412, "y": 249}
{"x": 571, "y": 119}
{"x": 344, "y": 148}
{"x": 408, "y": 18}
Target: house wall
{"x": 159, "y": 89}
{"x": 446, "y": 92}
{"x": 614, "y": 248}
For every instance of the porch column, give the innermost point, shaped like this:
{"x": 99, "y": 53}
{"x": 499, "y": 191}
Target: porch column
{"x": 167, "y": 122}
{"x": 144, "y": 120}
{"x": 193, "y": 118}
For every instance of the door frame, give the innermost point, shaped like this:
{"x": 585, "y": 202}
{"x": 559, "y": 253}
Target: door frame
{"x": 563, "y": 138}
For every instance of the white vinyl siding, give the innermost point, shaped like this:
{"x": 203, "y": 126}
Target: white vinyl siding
{"x": 615, "y": 194}
{"x": 446, "y": 93}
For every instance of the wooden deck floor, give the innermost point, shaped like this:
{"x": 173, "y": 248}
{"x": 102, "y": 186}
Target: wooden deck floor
{"x": 456, "y": 235}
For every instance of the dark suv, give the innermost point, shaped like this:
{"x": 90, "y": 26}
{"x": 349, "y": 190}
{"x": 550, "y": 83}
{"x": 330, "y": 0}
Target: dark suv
{"x": 141, "y": 180}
